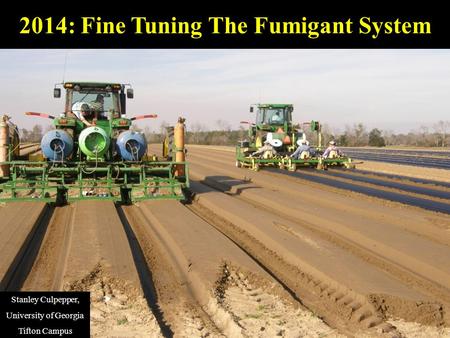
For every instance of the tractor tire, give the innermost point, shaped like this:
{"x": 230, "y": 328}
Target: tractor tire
{"x": 238, "y": 164}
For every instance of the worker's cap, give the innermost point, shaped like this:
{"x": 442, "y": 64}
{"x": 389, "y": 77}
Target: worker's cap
{"x": 85, "y": 107}
{"x": 100, "y": 97}
{"x": 332, "y": 143}
{"x": 266, "y": 142}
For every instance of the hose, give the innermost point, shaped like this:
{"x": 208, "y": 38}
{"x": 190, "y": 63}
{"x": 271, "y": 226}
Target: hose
{"x": 58, "y": 149}
{"x": 96, "y": 163}
{"x": 134, "y": 151}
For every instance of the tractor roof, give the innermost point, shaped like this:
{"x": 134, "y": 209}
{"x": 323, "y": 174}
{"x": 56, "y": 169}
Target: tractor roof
{"x": 274, "y": 105}
{"x": 93, "y": 85}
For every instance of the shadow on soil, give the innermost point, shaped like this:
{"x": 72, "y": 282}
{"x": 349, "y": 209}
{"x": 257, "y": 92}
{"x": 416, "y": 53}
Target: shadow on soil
{"x": 22, "y": 264}
{"x": 145, "y": 275}
{"x": 227, "y": 184}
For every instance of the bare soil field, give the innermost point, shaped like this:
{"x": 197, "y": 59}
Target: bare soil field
{"x": 253, "y": 254}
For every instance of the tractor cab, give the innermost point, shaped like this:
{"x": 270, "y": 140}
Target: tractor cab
{"x": 273, "y": 116}
{"x": 273, "y": 123}
{"x": 90, "y": 104}
{"x": 101, "y": 97}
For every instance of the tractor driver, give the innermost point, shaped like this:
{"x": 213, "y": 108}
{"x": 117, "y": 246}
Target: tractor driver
{"x": 276, "y": 118}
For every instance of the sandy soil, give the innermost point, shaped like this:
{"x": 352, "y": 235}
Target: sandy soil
{"x": 393, "y": 229}
{"x": 117, "y": 308}
{"x": 260, "y": 313}
{"x": 201, "y": 260}
{"x": 254, "y": 255}
{"x": 416, "y": 330}
{"x": 406, "y": 170}
{"x": 85, "y": 248}
{"x": 16, "y": 232}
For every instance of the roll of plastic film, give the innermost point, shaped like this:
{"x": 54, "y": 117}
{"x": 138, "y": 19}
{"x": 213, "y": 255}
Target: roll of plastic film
{"x": 93, "y": 142}
{"x": 57, "y": 145}
{"x": 131, "y": 145}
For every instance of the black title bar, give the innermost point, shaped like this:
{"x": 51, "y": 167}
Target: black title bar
{"x": 262, "y": 29}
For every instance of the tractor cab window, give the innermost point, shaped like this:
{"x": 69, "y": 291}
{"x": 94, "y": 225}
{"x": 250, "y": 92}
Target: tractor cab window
{"x": 271, "y": 116}
{"x": 99, "y": 102}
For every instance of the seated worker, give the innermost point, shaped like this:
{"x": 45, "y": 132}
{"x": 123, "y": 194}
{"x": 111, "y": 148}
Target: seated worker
{"x": 84, "y": 113}
{"x": 276, "y": 118}
{"x": 302, "y": 152}
{"x": 332, "y": 151}
{"x": 98, "y": 106}
{"x": 266, "y": 151}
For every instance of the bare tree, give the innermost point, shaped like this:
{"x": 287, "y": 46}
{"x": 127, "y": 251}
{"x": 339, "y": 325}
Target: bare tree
{"x": 441, "y": 129}
{"x": 36, "y": 133}
{"x": 361, "y": 137}
{"x": 24, "y": 135}
{"x": 223, "y": 125}
{"x": 389, "y": 136}
{"x": 197, "y": 129}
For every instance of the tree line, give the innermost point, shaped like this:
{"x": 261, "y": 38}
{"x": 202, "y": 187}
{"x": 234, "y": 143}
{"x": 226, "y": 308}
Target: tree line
{"x": 358, "y": 135}
{"x": 352, "y": 136}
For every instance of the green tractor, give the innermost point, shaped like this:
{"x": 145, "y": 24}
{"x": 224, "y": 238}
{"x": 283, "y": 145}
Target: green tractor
{"x": 274, "y": 128}
{"x": 92, "y": 153}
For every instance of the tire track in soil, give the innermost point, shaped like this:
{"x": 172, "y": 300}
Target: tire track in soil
{"x": 201, "y": 260}
{"x": 340, "y": 308}
{"x": 261, "y": 313}
{"x": 408, "y": 276}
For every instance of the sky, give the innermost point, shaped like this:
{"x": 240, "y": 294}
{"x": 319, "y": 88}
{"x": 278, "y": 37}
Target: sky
{"x": 395, "y": 90}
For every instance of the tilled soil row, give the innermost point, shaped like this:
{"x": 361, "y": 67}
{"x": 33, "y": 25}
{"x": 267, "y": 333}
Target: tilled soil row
{"x": 338, "y": 306}
{"x": 193, "y": 265}
{"x": 85, "y": 248}
{"x": 201, "y": 283}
